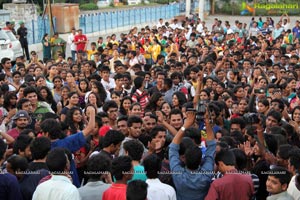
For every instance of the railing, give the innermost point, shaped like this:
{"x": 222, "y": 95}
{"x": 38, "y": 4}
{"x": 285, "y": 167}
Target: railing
{"x": 101, "y": 21}
{"x": 37, "y": 28}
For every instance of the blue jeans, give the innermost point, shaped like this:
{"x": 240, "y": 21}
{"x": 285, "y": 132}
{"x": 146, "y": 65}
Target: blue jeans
{"x": 73, "y": 55}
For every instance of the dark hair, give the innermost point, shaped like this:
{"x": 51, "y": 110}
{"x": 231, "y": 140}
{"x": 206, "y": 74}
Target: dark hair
{"x": 282, "y": 174}
{"x": 29, "y": 90}
{"x": 7, "y": 97}
{"x": 40, "y": 147}
{"x": 21, "y": 143}
{"x": 98, "y": 100}
{"x": 294, "y": 109}
{"x": 283, "y": 151}
{"x": 112, "y": 137}
{"x": 138, "y": 82}
{"x": 16, "y": 73}
{"x": 152, "y": 165}
{"x": 194, "y": 134}
{"x": 152, "y": 104}
{"x": 176, "y": 112}
{"x": 122, "y": 110}
{"x": 49, "y": 99}
{"x": 98, "y": 163}
{"x": 276, "y": 115}
{"x": 69, "y": 123}
{"x": 57, "y": 160}
{"x": 294, "y": 157}
{"x": 135, "y": 149}
{"x": 4, "y": 60}
{"x": 238, "y": 120}
{"x": 280, "y": 102}
{"x": 101, "y": 90}
{"x": 240, "y": 158}
{"x": 120, "y": 165}
{"x": 109, "y": 104}
{"x": 181, "y": 98}
{"x": 134, "y": 119}
{"x": 27, "y": 131}
{"x": 86, "y": 82}
{"x": 136, "y": 190}
{"x": 3, "y": 147}
{"x": 18, "y": 163}
{"x": 52, "y": 127}
{"x": 154, "y": 131}
{"x": 226, "y": 156}
{"x": 193, "y": 157}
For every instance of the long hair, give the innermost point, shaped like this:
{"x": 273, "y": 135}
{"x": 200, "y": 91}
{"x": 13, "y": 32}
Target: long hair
{"x": 98, "y": 102}
{"x": 7, "y": 97}
{"x": 101, "y": 91}
{"x": 69, "y": 123}
{"x": 122, "y": 109}
{"x": 152, "y": 104}
{"x": 49, "y": 99}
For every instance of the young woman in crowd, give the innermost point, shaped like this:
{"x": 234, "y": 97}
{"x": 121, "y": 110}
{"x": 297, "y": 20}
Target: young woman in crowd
{"x": 73, "y": 100}
{"x": 155, "y": 102}
{"x": 65, "y": 90}
{"x": 46, "y": 94}
{"x": 57, "y": 88}
{"x": 125, "y": 105}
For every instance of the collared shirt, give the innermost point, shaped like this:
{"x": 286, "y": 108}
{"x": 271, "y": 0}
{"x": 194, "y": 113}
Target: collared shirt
{"x": 189, "y": 185}
{"x": 281, "y": 196}
{"x": 58, "y": 187}
{"x": 93, "y": 190}
{"x": 115, "y": 192}
{"x": 292, "y": 189}
{"x": 226, "y": 187}
{"x": 159, "y": 190}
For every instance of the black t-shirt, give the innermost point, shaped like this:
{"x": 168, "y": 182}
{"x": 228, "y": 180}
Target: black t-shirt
{"x": 34, "y": 166}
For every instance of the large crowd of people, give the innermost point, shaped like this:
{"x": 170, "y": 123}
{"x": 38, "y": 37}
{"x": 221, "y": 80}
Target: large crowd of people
{"x": 174, "y": 111}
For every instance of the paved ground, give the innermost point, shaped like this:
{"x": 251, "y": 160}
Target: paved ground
{"x": 209, "y": 21}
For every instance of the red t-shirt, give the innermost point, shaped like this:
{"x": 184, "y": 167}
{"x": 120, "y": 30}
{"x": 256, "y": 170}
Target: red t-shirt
{"x": 80, "y": 45}
{"x": 115, "y": 192}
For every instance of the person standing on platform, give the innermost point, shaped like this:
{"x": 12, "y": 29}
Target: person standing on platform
{"x": 81, "y": 41}
{"x": 22, "y": 33}
{"x": 72, "y": 44}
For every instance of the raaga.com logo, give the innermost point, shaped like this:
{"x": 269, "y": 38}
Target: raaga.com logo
{"x": 246, "y": 9}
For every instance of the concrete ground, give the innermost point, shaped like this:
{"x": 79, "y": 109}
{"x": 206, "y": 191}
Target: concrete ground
{"x": 209, "y": 21}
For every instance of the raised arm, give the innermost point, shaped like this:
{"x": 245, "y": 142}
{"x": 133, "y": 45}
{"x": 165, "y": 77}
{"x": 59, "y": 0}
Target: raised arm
{"x": 91, "y": 124}
{"x": 190, "y": 119}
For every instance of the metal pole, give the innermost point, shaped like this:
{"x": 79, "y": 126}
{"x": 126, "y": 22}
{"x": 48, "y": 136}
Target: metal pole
{"x": 201, "y": 9}
{"x": 188, "y": 8}
{"x": 50, "y": 18}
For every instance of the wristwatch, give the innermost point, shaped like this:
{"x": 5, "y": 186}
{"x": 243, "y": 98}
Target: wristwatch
{"x": 182, "y": 128}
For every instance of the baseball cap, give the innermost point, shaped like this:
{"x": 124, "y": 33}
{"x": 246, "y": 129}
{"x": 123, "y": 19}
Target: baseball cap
{"x": 103, "y": 130}
{"x": 21, "y": 22}
{"x": 21, "y": 114}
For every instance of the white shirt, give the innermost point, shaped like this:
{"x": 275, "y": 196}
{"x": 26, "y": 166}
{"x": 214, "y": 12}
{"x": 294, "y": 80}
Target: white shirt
{"x": 58, "y": 187}
{"x": 292, "y": 190}
{"x": 108, "y": 85}
{"x": 200, "y": 28}
{"x": 159, "y": 190}
{"x": 71, "y": 43}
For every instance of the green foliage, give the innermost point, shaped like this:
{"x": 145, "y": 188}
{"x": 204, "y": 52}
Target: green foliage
{"x": 111, "y": 4}
{"x": 88, "y": 6}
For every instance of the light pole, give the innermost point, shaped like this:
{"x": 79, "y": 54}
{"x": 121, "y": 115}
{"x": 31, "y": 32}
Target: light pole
{"x": 188, "y": 8}
{"x": 201, "y": 9}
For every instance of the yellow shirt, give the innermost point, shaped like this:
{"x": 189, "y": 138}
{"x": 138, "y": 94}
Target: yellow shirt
{"x": 90, "y": 53}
